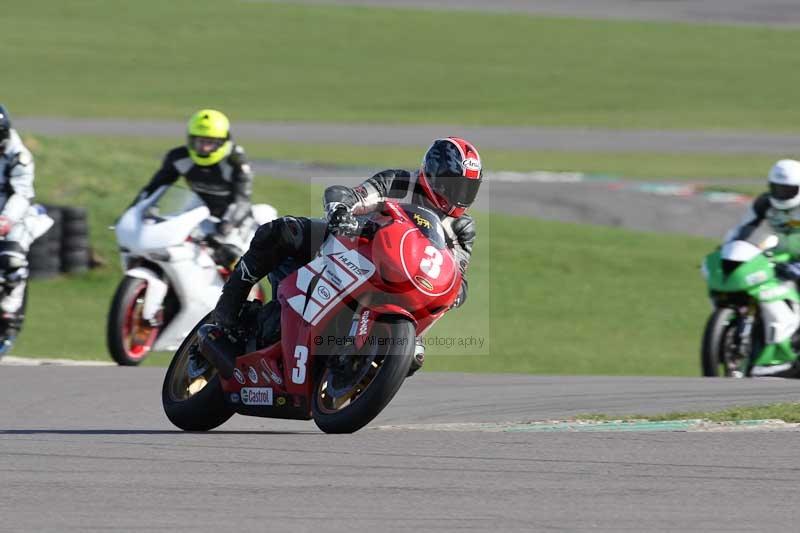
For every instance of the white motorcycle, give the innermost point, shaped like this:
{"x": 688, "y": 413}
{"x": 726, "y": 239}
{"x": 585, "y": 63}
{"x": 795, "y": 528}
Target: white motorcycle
{"x": 171, "y": 279}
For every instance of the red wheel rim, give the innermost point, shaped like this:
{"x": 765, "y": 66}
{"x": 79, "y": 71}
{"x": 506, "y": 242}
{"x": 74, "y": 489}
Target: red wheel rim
{"x": 137, "y": 336}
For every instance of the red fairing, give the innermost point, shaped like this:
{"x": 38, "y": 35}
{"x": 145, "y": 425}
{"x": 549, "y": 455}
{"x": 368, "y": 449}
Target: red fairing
{"x": 397, "y": 270}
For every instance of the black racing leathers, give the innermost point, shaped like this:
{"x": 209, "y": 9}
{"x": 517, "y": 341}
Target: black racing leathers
{"x": 299, "y": 239}
{"x": 225, "y": 187}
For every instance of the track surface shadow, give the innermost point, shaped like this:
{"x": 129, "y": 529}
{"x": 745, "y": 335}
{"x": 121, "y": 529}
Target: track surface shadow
{"x": 142, "y": 432}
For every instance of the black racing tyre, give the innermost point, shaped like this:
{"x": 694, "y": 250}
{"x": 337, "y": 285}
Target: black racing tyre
{"x": 712, "y": 353}
{"x": 71, "y": 213}
{"x": 185, "y": 407}
{"x": 75, "y": 261}
{"x": 128, "y": 338}
{"x": 75, "y": 243}
{"x": 376, "y": 389}
{"x": 75, "y": 228}
{"x": 44, "y": 274}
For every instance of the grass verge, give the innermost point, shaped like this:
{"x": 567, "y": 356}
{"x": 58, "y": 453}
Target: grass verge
{"x": 334, "y": 63}
{"x": 788, "y": 412}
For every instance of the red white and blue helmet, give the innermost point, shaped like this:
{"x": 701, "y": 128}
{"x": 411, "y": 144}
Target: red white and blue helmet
{"x": 451, "y": 174}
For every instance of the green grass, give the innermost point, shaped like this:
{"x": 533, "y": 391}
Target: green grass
{"x": 546, "y": 297}
{"x": 258, "y": 60}
{"x": 788, "y": 412}
{"x": 646, "y": 166}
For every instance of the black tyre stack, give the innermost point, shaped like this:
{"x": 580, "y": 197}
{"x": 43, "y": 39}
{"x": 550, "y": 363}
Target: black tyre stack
{"x": 44, "y": 256}
{"x": 65, "y": 247}
{"x": 75, "y": 248}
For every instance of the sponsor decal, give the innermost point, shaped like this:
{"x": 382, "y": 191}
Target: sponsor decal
{"x": 324, "y": 293}
{"x": 269, "y": 374}
{"x": 427, "y": 285}
{"x": 756, "y": 277}
{"x": 256, "y": 396}
{"x": 281, "y": 401}
{"x": 422, "y": 221}
{"x": 234, "y": 397}
{"x": 472, "y": 164}
{"x": 363, "y": 323}
{"x": 238, "y": 375}
{"x": 252, "y": 375}
{"x": 333, "y": 278}
{"x": 350, "y": 264}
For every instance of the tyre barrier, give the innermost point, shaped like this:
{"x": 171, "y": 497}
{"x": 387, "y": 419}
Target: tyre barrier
{"x": 65, "y": 247}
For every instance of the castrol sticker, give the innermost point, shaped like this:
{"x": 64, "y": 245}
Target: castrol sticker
{"x": 256, "y": 395}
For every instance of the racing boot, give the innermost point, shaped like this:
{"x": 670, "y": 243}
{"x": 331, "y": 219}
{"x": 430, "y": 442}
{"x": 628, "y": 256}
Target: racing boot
{"x": 8, "y": 333}
{"x": 418, "y": 359}
{"x": 7, "y": 342}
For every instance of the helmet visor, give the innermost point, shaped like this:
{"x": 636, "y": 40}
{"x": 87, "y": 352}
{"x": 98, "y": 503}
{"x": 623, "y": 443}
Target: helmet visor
{"x": 205, "y": 146}
{"x": 459, "y": 191}
{"x": 780, "y": 191}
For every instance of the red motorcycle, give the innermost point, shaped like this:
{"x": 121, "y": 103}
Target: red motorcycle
{"x": 339, "y": 341}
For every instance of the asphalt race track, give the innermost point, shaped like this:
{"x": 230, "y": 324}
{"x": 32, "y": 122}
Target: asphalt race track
{"x": 85, "y": 449}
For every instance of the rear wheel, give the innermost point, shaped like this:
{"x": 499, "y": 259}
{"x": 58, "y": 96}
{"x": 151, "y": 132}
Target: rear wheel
{"x": 721, "y": 350}
{"x": 129, "y": 337}
{"x": 193, "y": 404}
{"x": 348, "y": 394}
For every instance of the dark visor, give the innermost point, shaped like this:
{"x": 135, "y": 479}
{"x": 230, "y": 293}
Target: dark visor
{"x": 459, "y": 191}
{"x": 205, "y": 145}
{"x": 783, "y": 192}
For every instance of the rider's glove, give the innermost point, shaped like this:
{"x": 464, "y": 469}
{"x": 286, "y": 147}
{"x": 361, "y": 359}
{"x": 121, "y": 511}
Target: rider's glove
{"x": 341, "y": 220}
{"x": 788, "y": 271}
{"x": 5, "y": 225}
{"x": 224, "y": 227}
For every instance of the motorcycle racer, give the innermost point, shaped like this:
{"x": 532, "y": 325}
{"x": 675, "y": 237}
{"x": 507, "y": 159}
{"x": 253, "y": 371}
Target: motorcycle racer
{"x": 217, "y": 170}
{"x": 16, "y": 180}
{"x": 447, "y": 183}
{"x": 779, "y": 207}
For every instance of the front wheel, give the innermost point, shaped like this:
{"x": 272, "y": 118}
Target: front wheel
{"x": 720, "y": 353}
{"x": 347, "y": 397}
{"x": 129, "y": 337}
{"x": 193, "y": 404}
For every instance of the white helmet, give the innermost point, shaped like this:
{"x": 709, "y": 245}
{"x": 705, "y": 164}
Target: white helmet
{"x": 784, "y": 184}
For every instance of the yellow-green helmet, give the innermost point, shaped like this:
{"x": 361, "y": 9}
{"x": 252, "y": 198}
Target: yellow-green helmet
{"x": 209, "y": 137}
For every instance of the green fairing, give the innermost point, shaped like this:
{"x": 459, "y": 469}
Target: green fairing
{"x": 755, "y": 277}
{"x": 775, "y": 354}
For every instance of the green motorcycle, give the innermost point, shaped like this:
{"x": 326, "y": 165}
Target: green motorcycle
{"x": 753, "y": 328}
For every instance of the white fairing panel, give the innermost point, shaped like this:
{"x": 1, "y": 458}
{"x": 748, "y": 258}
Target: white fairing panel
{"x": 186, "y": 266}
{"x": 139, "y": 233}
{"x": 781, "y": 320}
{"x": 326, "y": 280}
{"x": 740, "y": 251}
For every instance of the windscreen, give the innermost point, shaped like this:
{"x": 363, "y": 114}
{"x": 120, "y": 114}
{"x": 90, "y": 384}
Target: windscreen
{"x": 428, "y": 223}
{"x": 175, "y": 200}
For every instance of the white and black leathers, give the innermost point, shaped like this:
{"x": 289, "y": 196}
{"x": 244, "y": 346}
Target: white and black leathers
{"x": 16, "y": 192}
